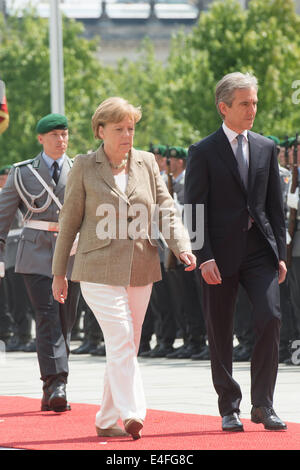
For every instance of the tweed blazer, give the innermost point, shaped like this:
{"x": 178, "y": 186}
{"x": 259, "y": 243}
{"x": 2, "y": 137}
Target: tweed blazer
{"x": 116, "y": 255}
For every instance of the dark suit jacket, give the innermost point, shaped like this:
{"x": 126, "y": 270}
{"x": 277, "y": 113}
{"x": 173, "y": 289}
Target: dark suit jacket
{"x": 212, "y": 179}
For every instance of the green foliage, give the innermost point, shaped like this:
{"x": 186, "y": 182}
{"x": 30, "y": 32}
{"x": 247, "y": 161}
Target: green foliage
{"x": 177, "y": 99}
{"x": 24, "y": 59}
{"x": 264, "y": 40}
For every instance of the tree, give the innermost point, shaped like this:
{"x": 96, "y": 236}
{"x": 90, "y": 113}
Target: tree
{"x": 24, "y": 59}
{"x": 263, "y": 40}
{"x": 146, "y": 83}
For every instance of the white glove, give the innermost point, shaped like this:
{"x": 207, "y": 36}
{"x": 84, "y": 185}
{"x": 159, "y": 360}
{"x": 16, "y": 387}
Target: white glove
{"x": 288, "y": 238}
{"x": 293, "y": 199}
{"x": 2, "y": 269}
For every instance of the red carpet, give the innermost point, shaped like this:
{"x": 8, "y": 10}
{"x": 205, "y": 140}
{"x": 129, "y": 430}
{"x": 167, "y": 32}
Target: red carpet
{"x": 23, "y": 426}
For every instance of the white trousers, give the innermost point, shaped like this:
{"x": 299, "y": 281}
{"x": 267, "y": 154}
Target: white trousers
{"x": 120, "y": 312}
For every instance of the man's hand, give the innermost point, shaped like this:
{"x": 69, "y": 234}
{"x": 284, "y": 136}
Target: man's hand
{"x": 282, "y": 272}
{"x": 210, "y": 273}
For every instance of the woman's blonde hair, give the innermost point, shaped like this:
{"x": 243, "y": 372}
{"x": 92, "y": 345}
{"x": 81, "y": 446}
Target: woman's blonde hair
{"x": 114, "y": 109}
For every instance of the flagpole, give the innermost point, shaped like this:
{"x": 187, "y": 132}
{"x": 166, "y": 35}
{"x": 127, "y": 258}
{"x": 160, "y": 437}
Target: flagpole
{"x": 56, "y": 59}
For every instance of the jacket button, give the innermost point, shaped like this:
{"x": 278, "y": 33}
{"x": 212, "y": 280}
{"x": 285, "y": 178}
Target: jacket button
{"x": 129, "y": 219}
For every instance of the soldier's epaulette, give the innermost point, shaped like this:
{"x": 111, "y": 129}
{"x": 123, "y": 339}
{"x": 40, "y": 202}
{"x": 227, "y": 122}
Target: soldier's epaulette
{"x": 25, "y": 162}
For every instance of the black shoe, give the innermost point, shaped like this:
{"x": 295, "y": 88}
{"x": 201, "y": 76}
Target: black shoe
{"x": 243, "y": 354}
{"x": 147, "y": 353}
{"x": 203, "y": 355}
{"x": 174, "y": 354}
{"x": 99, "y": 351}
{"x": 162, "y": 351}
{"x": 267, "y": 417}
{"x": 189, "y": 351}
{"x": 45, "y": 404}
{"x": 54, "y": 396}
{"x": 85, "y": 348}
{"x": 29, "y": 346}
{"x": 232, "y": 423}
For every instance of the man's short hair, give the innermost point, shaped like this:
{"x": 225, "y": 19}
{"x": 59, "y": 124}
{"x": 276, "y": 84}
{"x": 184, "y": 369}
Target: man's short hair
{"x": 226, "y": 87}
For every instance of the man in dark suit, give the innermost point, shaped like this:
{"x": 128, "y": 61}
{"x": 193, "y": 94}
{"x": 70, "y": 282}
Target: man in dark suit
{"x": 234, "y": 174}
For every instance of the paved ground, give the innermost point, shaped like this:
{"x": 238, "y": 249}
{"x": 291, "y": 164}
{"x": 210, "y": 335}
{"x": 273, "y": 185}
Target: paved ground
{"x": 173, "y": 385}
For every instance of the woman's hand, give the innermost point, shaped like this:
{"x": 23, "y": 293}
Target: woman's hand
{"x": 189, "y": 259}
{"x": 60, "y": 288}
{"x": 282, "y": 272}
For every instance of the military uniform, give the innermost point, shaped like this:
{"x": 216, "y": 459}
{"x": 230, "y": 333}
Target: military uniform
{"x": 19, "y": 305}
{"x": 293, "y": 326}
{"x": 160, "y": 317}
{"x": 25, "y": 190}
{"x": 185, "y": 287}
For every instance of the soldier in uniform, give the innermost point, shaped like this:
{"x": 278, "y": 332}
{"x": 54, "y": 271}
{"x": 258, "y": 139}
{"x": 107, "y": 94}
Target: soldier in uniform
{"x": 36, "y": 187}
{"x": 243, "y": 318}
{"x": 293, "y": 202}
{"x": 183, "y": 285}
{"x": 160, "y": 317}
{"x": 6, "y": 321}
{"x": 16, "y": 302}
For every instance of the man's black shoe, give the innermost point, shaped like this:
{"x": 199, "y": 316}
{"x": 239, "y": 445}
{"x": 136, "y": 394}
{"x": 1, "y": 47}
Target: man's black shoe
{"x": 203, "y": 355}
{"x": 54, "y": 396}
{"x": 268, "y": 418}
{"x": 85, "y": 348}
{"x": 147, "y": 353}
{"x": 174, "y": 354}
{"x": 189, "y": 351}
{"x": 30, "y": 346}
{"x": 162, "y": 351}
{"x": 232, "y": 423}
{"x": 242, "y": 354}
{"x": 99, "y": 351}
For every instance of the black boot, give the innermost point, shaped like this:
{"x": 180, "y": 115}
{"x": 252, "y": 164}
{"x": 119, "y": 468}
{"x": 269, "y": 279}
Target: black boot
{"x": 54, "y": 395}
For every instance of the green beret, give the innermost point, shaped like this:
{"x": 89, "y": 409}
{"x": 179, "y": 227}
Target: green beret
{"x": 4, "y": 170}
{"x": 50, "y": 122}
{"x": 159, "y": 149}
{"x": 275, "y": 139}
{"x": 177, "y": 152}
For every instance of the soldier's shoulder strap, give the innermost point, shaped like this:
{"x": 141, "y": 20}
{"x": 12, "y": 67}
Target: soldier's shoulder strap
{"x": 35, "y": 162}
{"x": 23, "y": 163}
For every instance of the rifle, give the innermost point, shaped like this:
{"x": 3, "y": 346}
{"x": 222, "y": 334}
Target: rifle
{"x": 171, "y": 259}
{"x": 286, "y": 152}
{"x": 293, "y": 212}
